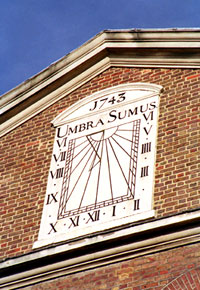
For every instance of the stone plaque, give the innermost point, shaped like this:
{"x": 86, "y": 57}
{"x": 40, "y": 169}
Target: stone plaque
{"x": 102, "y": 169}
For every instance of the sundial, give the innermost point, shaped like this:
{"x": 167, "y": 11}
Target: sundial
{"x": 95, "y": 162}
{"x": 102, "y": 169}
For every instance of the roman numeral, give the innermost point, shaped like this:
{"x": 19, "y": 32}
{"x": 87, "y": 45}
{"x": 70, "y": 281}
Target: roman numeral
{"x": 62, "y": 143}
{"x": 146, "y": 147}
{"x": 51, "y": 197}
{"x": 144, "y": 171}
{"x": 147, "y": 131}
{"x": 74, "y": 221}
{"x": 94, "y": 216}
{"x": 58, "y": 174}
{"x": 61, "y": 156}
{"x": 149, "y": 116}
{"x": 136, "y": 204}
{"x": 114, "y": 208}
{"x": 53, "y": 228}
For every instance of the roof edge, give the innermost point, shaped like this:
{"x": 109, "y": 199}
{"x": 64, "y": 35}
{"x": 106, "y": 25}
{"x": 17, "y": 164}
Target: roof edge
{"x": 123, "y": 35}
{"x": 106, "y": 44}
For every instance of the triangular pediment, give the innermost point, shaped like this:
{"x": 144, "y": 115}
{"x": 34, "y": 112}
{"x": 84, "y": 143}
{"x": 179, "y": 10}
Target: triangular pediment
{"x": 120, "y": 48}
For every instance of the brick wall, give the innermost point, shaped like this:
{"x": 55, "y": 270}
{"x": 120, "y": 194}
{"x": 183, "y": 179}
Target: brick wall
{"x": 176, "y": 269}
{"x": 26, "y": 153}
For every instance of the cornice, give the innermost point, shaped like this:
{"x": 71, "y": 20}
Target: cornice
{"x": 132, "y": 48}
{"x": 134, "y": 241}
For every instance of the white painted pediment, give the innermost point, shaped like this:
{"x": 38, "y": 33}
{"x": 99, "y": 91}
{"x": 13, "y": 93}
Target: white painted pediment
{"x": 120, "y": 48}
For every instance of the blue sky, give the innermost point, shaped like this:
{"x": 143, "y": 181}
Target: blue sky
{"x": 35, "y": 33}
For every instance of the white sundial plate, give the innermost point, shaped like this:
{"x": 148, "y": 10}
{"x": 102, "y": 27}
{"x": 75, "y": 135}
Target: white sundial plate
{"x": 102, "y": 168}
{"x": 89, "y": 182}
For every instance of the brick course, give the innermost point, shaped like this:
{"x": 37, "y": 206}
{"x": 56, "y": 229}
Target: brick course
{"x": 26, "y": 152}
{"x": 170, "y": 270}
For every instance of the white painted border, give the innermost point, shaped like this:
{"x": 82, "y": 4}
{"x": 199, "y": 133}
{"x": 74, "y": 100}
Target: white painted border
{"x": 101, "y": 227}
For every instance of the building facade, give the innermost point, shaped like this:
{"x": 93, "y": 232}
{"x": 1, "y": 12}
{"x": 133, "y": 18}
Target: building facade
{"x": 100, "y": 167}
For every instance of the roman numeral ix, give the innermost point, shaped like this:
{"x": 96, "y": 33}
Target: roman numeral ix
{"x": 51, "y": 197}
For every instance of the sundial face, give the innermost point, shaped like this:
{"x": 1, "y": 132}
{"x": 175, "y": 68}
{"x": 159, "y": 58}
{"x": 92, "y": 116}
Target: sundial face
{"x": 95, "y": 162}
{"x": 102, "y": 168}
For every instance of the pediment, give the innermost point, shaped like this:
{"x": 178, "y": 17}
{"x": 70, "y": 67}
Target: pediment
{"x": 120, "y": 48}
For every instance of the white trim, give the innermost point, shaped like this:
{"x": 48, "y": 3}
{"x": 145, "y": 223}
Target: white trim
{"x": 104, "y": 257}
{"x": 98, "y": 259}
{"x": 148, "y": 225}
{"x": 62, "y": 237}
{"x": 109, "y": 39}
{"x": 105, "y": 42}
{"x": 151, "y": 225}
{"x": 155, "y": 63}
{"x": 53, "y": 97}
